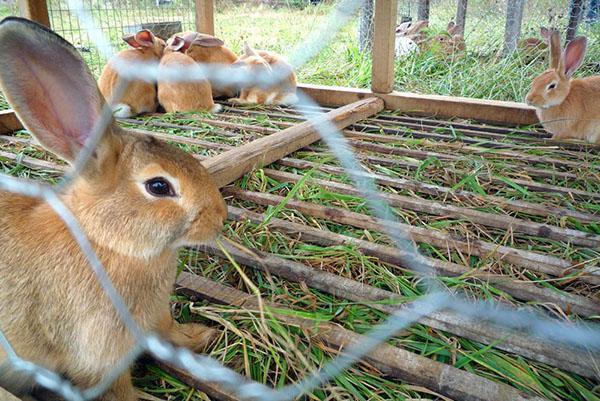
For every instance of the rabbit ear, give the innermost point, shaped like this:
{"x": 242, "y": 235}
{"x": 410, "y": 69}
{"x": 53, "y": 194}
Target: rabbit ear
{"x": 143, "y": 38}
{"x": 208, "y": 41}
{"x": 49, "y": 86}
{"x": 555, "y": 49}
{"x": 176, "y": 43}
{"x": 545, "y": 34}
{"x": 574, "y": 54}
{"x": 249, "y": 51}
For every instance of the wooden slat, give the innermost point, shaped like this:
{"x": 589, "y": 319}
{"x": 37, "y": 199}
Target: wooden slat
{"x": 498, "y": 112}
{"x": 231, "y": 165}
{"x": 9, "y": 122}
{"x": 35, "y": 10}
{"x": 205, "y": 20}
{"x": 561, "y": 356}
{"x": 6, "y": 396}
{"x": 382, "y": 76}
{"x": 390, "y": 360}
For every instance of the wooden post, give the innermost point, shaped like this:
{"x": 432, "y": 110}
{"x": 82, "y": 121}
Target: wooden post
{"x": 205, "y": 19}
{"x": 382, "y": 73}
{"x": 461, "y": 15}
{"x": 514, "y": 17}
{"x": 231, "y": 165}
{"x": 575, "y": 12}
{"x": 423, "y": 11}
{"x": 35, "y": 10}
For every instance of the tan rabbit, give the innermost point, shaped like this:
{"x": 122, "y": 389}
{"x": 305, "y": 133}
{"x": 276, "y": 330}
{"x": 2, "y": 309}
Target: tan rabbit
{"x": 567, "y": 108}
{"x": 205, "y": 48}
{"x": 267, "y": 65}
{"x": 137, "y": 200}
{"x": 448, "y": 43}
{"x": 140, "y": 96}
{"x": 183, "y": 96}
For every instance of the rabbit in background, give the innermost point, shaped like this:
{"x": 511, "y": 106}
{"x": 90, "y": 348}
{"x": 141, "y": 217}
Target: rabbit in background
{"x": 266, "y": 64}
{"x": 136, "y": 199}
{"x": 207, "y": 49}
{"x": 140, "y": 95}
{"x": 184, "y": 96}
{"x": 567, "y": 108}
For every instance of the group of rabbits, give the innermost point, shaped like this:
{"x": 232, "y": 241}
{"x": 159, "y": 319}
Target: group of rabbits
{"x": 179, "y": 95}
{"x": 411, "y": 37}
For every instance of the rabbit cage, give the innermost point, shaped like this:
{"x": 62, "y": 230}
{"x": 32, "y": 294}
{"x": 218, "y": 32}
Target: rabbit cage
{"x": 497, "y": 210}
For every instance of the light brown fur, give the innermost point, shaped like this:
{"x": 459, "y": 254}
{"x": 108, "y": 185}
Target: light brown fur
{"x": 183, "y": 96}
{"x": 52, "y": 308}
{"x": 139, "y": 95}
{"x": 264, "y": 62}
{"x": 569, "y": 110}
{"x": 210, "y": 55}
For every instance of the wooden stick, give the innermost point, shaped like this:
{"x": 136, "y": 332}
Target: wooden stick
{"x": 575, "y": 237}
{"x": 565, "y": 357}
{"x": 505, "y": 113}
{"x": 468, "y": 246}
{"x": 535, "y": 209}
{"x": 6, "y": 396}
{"x": 230, "y": 165}
{"x": 337, "y": 285}
{"x": 382, "y": 76}
{"x": 205, "y": 20}
{"x": 213, "y": 390}
{"x": 392, "y": 361}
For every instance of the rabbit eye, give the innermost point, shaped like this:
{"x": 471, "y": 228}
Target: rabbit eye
{"x": 159, "y": 186}
{"x": 552, "y": 86}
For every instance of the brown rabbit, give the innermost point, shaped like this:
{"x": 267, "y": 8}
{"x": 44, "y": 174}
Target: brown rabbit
{"x": 205, "y": 48}
{"x": 448, "y": 43}
{"x": 136, "y": 199}
{"x": 140, "y": 96}
{"x": 183, "y": 96}
{"x": 567, "y": 108}
{"x": 269, "y": 65}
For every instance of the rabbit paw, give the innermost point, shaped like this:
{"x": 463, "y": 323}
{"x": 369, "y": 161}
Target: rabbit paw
{"x": 217, "y": 108}
{"x": 236, "y": 100}
{"x": 194, "y": 336}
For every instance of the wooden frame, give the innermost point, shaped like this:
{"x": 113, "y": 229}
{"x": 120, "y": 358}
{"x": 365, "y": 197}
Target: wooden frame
{"x": 205, "y": 19}
{"x": 35, "y": 10}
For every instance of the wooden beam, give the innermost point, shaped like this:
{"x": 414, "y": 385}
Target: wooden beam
{"x": 391, "y": 361}
{"x": 494, "y": 111}
{"x": 205, "y": 19}
{"x": 382, "y": 78}
{"x": 9, "y": 122}
{"x": 6, "y": 396}
{"x": 35, "y": 10}
{"x": 423, "y": 10}
{"x": 231, "y": 165}
{"x": 512, "y": 30}
{"x": 575, "y": 13}
{"x": 461, "y": 15}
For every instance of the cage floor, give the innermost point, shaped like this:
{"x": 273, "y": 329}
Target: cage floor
{"x": 499, "y": 212}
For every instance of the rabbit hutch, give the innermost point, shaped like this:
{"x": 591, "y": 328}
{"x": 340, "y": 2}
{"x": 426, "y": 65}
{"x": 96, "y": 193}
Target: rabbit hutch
{"x": 498, "y": 210}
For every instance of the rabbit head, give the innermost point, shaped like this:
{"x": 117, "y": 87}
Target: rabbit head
{"x": 145, "y": 41}
{"x": 135, "y": 195}
{"x": 552, "y": 86}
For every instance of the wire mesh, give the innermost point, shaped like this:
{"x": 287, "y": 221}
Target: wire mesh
{"x": 76, "y": 21}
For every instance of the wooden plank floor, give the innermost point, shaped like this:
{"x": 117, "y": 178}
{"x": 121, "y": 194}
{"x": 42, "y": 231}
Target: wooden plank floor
{"x": 499, "y": 213}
